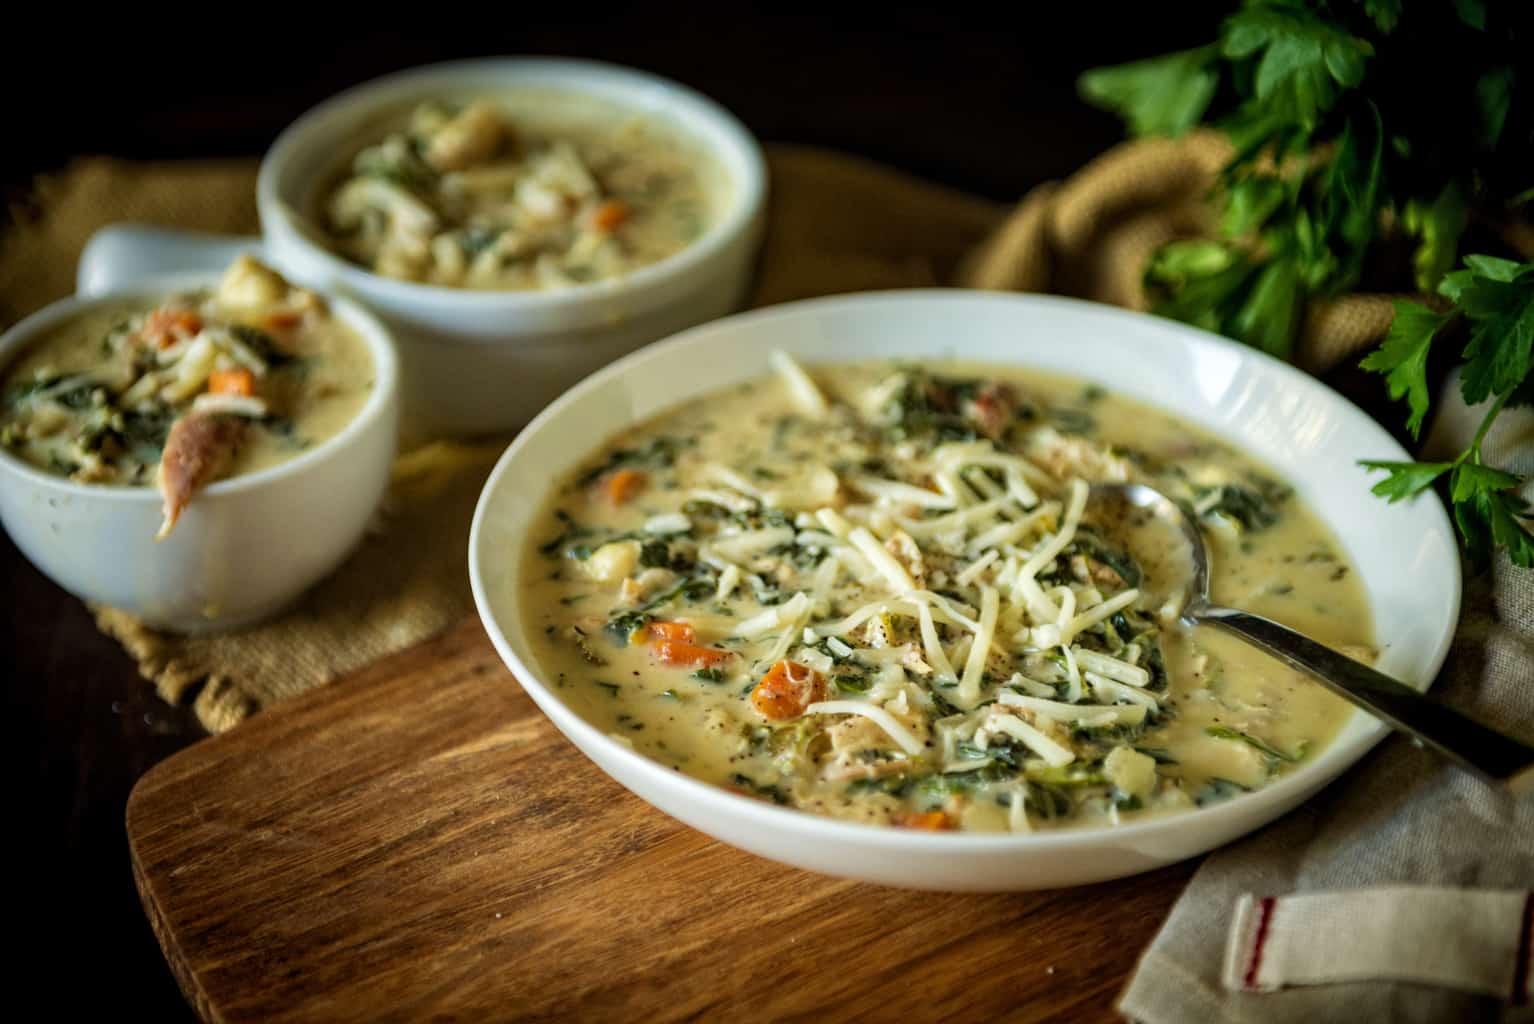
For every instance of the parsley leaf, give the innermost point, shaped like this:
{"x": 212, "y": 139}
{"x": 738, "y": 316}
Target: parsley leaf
{"x": 1403, "y": 357}
{"x": 1161, "y": 96}
{"x": 1304, "y": 59}
{"x": 1502, "y": 340}
{"x": 1405, "y": 478}
{"x": 1496, "y": 297}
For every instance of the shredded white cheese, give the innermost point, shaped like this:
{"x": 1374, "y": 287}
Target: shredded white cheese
{"x": 976, "y": 567}
{"x": 931, "y": 645}
{"x": 668, "y": 523}
{"x": 902, "y": 493}
{"x": 882, "y": 561}
{"x": 729, "y": 579}
{"x": 883, "y": 719}
{"x": 801, "y": 388}
{"x": 741, "y": 547}
{"x": 1092, "y": 716}
{"x": 771, "y": 618}
{"x": 1053, "y": 753}
{"x": 969, "y": 684}
{"x": 1095, "y": 615}
{"x": 1113, "y": 668}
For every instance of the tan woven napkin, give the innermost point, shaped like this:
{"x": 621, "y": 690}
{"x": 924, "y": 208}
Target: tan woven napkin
{"x": 836, "y": 224}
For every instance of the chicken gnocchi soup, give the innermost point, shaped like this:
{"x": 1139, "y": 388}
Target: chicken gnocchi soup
{"x": 879, "y": 593}
{"x": 532, "y": 190}
{"x": 198, "y": 387}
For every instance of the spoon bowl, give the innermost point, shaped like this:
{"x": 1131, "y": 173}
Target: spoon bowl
{"x": 1467, "y": 743}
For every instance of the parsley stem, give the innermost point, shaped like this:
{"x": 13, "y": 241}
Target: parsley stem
{"x": 1474, "y": 451}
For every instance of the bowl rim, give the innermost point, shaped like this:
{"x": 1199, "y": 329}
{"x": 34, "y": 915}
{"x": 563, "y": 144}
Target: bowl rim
{"x": 379, "y": 342}
{"x": 733, "y": 141}
{"x": 1332, "y": 763}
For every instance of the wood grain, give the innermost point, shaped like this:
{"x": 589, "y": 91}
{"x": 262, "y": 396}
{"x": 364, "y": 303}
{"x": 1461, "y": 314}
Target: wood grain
{"x": 419, "y": 842}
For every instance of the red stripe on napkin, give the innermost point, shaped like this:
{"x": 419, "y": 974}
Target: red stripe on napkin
{"x": 1520, "y": 994}
{"x": 1250, "y": 980}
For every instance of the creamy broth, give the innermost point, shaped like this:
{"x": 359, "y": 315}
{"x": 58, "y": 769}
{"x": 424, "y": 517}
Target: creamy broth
{"x": 529, "y": 190}
{"x": 100, "y": 400}
{"x": 779, "y": 588}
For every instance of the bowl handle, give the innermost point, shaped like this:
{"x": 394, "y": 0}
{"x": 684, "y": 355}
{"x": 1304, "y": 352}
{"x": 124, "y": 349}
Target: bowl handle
{"x": 120, "y": 253}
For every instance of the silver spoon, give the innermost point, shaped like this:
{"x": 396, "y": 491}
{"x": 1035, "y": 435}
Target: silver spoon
{"x": 1464, "y": 741}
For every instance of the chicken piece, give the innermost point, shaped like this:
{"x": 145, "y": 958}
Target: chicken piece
{"x": 472, "y": 137}
{"x": 908, "y": 553}
{"x": 1066, "y": 457}
{"x": 407, "y": 214}
{"x": 992, "y": 409}
{"x": 859, "y": 750}
{"x": 197, "y": 451}
{"x": 249, "y": 284}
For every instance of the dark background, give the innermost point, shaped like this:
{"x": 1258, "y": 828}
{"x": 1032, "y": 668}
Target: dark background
{"x": 983, "y": 101}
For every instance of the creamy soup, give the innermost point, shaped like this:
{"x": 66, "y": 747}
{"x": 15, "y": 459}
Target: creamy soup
{"x": 880, "y": 594}
{"x": 530, "y": 190}
{"x": 201, "y": 386}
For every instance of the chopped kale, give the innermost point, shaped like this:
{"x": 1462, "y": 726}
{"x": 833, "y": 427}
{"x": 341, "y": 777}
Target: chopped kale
{"x": 1073, "y": 421}
{"x": 654, "y": 554}
{"x": 573, "y": 531}
{"x": 754, "y": 788}
{"x": 621, "y": 628}
{"x": 848, "y": 682}
{"x": 1049, "y": 801}
{"x": 261, "y": 343}
{"x": 476, "y": 239}
{"x": 1274, "y": 756}
{"x": 659, "y": 453}
{"x": 1217, "y": 789}
{"x": 1255, "y": 507}
{"x": 894, "y": 785}
{"x": 930, "y": 407}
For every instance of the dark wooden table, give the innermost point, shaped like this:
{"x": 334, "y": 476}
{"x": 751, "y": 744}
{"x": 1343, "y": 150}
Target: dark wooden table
{"x": 983, "y": 102}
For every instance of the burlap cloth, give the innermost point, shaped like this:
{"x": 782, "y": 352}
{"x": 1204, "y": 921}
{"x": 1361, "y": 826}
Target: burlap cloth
{"x": 839, "y": 224}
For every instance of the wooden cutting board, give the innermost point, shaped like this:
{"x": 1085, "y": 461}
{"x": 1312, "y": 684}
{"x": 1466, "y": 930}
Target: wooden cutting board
{"x": 417, "y": 841}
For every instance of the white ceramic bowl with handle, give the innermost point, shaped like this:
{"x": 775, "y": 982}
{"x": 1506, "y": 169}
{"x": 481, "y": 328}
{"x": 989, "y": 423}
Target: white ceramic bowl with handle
{"x": 1405, "y": 554}
{"x": 245, "y": 547}
{"x": 482, "y": 361}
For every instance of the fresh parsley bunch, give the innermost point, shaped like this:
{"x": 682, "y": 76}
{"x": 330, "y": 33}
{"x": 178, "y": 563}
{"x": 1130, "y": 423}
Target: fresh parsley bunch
{"x": 1361, "y": 130}
{"x": 1496, "y": 299}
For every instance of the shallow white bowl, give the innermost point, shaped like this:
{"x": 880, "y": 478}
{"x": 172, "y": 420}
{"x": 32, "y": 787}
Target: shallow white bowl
{"x": 1405, "y": 554}
{"x": 244, "y": 547}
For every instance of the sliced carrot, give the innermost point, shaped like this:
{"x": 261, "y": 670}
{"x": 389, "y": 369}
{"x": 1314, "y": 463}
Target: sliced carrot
{"x": 929, "y": 821}
{"x": 786, "y": 690}
{"x": 165, "y": 326}
{"x": 623, "y": 485}
{"x": 610, "y": 215}
{"x": 672, "y": 632}
{"x": 283, "y": 319}
{"x": 232, "y": 382}
{"x": 676, "y": 654}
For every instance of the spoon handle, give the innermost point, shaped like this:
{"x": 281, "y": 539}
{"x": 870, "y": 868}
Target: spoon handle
{"x": 1481, "y": 749}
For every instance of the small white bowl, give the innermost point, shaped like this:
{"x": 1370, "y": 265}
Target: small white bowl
{"x": 479, "y": 361}
{"x": 1405, "y": 554}
{"x": 245, "y": 547}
